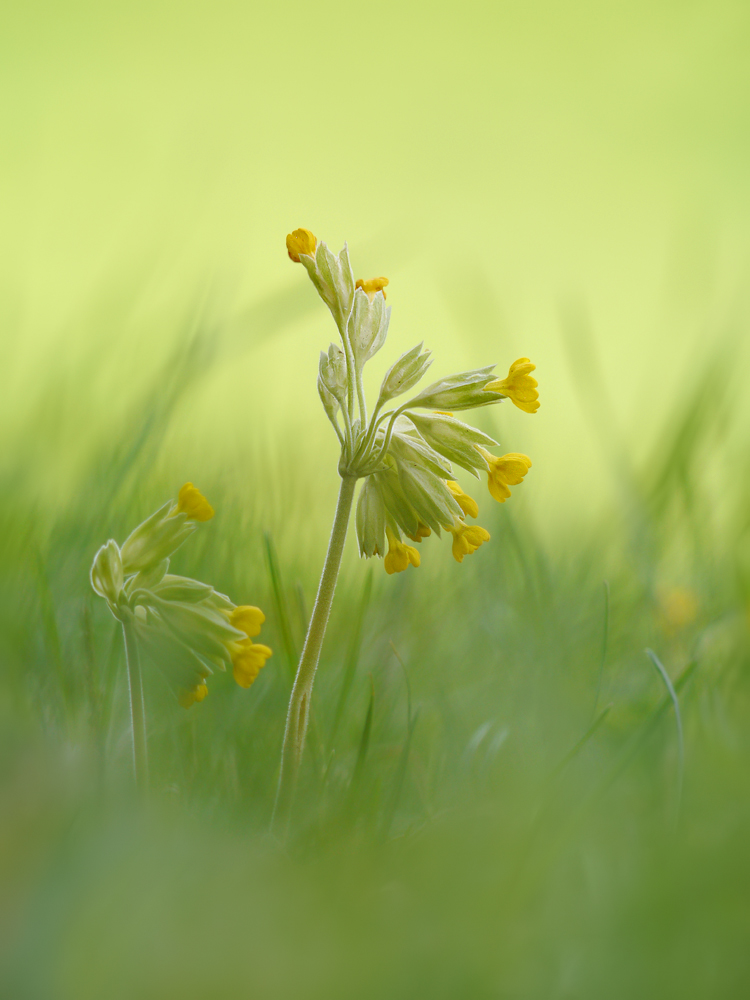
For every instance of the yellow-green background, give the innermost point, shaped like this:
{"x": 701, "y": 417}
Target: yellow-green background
{"x": 501, "y": 163}
{"x": 565, "y": 181}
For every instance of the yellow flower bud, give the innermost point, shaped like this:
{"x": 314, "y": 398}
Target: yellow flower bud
{"x": 467, "y": 504}
{"x": 191, "y": 501}
{"x": 399, "y": 555}
{"x": 507, "y": 470}
{"x": 422, "y": 532}
{"x": 301, "y": 241}
{"x": 519, "y": 386}
{"x": 372, "y": 285}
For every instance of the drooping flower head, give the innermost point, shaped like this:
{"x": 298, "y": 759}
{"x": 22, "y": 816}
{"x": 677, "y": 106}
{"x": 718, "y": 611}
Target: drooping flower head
{"x": 182, "y": 625}
{"x": 405, "y": 452}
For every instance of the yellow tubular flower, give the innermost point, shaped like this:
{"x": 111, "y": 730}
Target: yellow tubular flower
{"x": 467, "y": 504}
{"x": 399, "y": 555}
{"x": 467, "y": 538}
{"x": 247, "y": 619}
{"x": 372, "y": 285}
{"x": 248, "y": 661}
{"x": 519, "y": 386}
{"x": 191, "y": 501}
{"x": 422, "y": 532}
{"x": 301, "y": 241}
{"x": 189, "y": 697}
{"x": 507, "y": 470}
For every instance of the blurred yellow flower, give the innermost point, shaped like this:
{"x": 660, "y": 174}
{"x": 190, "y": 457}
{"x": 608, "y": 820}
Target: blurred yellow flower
{"x": 372, "y": 285}
{"x": 467, "y": 504}
{"x": 399, "y": 555}
{"x": 677, "y": 608}
{"x": 191, "y": 501}
{"x": 520, "y": 387}
{"x": 467, "y": 538}
{"x": 505, "y": 470}
{"x": 301, "y": 241}
{"x": 189, "y": 697}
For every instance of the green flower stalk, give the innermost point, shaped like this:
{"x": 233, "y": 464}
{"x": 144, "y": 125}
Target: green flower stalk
{"x": 182, "y": 625}
{"x": 403, "y": 453}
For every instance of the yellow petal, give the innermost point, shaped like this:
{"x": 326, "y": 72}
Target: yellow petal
{"x": 247, "y": 619}
{"x": 399, "y": 556}
{"x": 301, "y": 241}
{"x": 247, "y": 664}
{"x": 422, "y": 532}
{"x": 467, "y": 504}
{"x": 372, "y": 285}
{"x": 189, "y": 697}
{"x": 191, "y": 501}
{"x": 467, "y": 538}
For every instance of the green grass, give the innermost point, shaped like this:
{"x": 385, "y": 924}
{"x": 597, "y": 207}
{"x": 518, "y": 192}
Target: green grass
{"x": 491, "y": 803}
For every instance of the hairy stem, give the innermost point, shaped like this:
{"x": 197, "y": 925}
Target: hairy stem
{"x": 137, "y": 706}
{"x": 299, "y": 701}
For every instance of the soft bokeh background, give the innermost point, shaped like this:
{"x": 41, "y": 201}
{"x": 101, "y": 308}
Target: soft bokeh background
{"x": 566, "y": 181}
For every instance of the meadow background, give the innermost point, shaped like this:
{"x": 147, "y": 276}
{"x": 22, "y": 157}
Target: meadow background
{"x": 494, "y": 803}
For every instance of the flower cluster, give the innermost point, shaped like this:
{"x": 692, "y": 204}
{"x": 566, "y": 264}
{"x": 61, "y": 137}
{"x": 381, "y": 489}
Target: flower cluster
{"x": 404, "y": 454}
{"x": 186, "y": 627}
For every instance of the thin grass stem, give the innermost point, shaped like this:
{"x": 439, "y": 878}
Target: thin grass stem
{"x": 678, "y": 719}
{"x": 137, "y": 707}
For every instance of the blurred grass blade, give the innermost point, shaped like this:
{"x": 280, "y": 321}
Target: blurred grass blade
{"x": 678, "y": 718}
{"x": 364, "y": 742}
{"x": 50, "y": 628}
{"x": 583, "y": 741}
{"x": 352, "y": 656}
{"x": 648, "y": 727}
{"x": 605, "y": 641}
{"x": 281, "y": 606}
{"x": 411, "y": 723}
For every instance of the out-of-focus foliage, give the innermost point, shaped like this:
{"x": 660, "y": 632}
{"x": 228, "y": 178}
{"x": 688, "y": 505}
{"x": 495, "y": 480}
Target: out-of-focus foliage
{"x": 493, "y": 804}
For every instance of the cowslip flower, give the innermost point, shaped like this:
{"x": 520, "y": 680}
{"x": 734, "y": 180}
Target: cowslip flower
{"x": 467, "y": 504}
{"x": 519, "y": 386}
{"x": 399, "y": 556}
{"x": 402, "y": 449}
{"x": 504, "y": 471}
{"x": 467, "y": 538}
{"x": 301, "y": 241}
{"x": 371, "y": 286}
{"x": 183, "y": 626}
